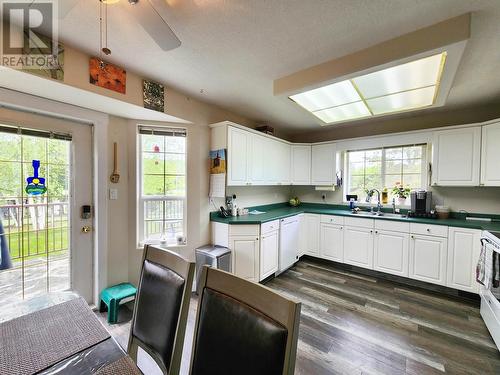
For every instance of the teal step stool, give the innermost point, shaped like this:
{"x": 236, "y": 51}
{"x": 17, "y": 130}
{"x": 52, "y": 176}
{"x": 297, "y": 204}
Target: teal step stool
{"x": 112, "y": 296}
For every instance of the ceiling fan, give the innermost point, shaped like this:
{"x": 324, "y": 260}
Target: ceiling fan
{"x": 148, "y": 14}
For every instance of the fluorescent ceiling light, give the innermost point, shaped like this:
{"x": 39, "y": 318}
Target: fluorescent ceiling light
{"x": 328, "y": 96}
{"x": 420, "y": 73}
{"x": 400, "y": 88}
{"x": 343, "y": 112}
{"x": 402, "y": 101}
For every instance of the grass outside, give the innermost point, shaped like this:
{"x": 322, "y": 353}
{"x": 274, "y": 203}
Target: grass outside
{"x": 36, "y": 243}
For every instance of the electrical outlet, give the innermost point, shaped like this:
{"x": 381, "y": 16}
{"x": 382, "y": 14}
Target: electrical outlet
{"x": 113, "y": 194}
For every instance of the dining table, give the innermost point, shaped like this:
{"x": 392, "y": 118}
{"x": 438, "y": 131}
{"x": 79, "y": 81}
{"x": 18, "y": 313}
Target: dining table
{"x": 58, "y": 333}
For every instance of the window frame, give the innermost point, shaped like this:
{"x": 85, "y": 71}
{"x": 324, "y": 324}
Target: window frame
{"x": 424, "y": 171}
{"x": 141, "y": 199}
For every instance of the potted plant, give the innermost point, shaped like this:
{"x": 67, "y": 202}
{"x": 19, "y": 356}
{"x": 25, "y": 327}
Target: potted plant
{"x": 401, "y": 193}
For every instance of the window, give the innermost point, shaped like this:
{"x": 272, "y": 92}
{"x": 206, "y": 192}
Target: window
{"x": 384, "y": 168}
{"x": 162, "y": 185}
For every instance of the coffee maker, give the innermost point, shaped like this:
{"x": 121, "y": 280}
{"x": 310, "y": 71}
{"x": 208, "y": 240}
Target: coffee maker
{"x": 421, "y": 204}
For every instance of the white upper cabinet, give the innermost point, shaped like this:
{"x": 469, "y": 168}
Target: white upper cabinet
{"x": 284, "y": 156}
{"x": 277, "y": 162}
{"x": 323, "y": 164}
{"x": 257, "y": 161}
{"x": 456, "y": 157}
{"x": 301, "y": 165}
{"x": 490, "y": 155}
{"x": 238, "y": 143}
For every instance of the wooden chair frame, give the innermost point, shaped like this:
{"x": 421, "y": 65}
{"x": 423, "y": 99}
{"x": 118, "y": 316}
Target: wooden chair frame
{"x": 185, "y": 269}
{"x": 282, "y": 310}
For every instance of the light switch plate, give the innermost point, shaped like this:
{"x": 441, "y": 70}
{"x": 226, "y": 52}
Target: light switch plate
{"x": 113, "y": 194}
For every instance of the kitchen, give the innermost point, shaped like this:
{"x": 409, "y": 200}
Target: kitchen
{"x": 436, "y": 251}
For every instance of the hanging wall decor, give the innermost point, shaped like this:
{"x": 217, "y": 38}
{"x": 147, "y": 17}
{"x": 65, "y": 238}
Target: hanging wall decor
{"x": 54, "y": 67}
{"x": 154, "y": 96}
{"x": 36, "y": 184}
{"x": 107, "y": 75}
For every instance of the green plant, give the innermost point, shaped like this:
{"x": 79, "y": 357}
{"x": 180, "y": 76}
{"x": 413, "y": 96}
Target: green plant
{"x": 401, "y": 191}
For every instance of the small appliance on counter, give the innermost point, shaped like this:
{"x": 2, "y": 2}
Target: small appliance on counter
{"x": 421, "y": 205}
{"x": 232, "y": 208}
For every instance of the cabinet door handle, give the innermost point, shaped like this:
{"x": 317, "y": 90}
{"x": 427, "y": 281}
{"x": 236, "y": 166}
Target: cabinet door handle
{"x": 257, "y": 238}
{"x": 412, "y": 237}
{"x": 376, "y": 232}
{"x": 428, "y": 229}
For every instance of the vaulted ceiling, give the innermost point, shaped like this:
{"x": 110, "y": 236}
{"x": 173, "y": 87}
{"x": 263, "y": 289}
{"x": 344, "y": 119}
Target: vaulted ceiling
{"x": 233, "y": 50}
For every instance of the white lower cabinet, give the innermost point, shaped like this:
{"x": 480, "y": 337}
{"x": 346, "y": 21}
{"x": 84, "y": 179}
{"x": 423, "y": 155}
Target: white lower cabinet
{"x": 269, "y": 248}
{"x": 463, "y": 252}
{"x": 302, "y": 236}
{"x": 332, "y": 242}
{"x": 428, "y": 256}
{"x": 312, "y": 222}
{"x": 391, "y": 252}
{"x": 245, "y": 251}
{"x": 358, "y": 246}
{"x": 431, "y": 253}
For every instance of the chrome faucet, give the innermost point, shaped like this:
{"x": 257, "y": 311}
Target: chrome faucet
{"x": 369, "y": 197}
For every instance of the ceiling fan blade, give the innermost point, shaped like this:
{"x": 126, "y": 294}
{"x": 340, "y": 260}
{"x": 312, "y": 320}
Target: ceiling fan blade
{"x": 65, "y": 6}
{"x": 155, "y": 25}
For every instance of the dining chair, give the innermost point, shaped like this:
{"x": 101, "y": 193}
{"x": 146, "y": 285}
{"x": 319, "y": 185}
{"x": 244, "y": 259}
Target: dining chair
{"x": 161, "y": 308}
{"x": 243, "y": 328}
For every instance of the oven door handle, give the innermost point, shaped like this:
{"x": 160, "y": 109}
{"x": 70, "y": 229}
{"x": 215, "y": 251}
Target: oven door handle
{"x": 487, "y": 240}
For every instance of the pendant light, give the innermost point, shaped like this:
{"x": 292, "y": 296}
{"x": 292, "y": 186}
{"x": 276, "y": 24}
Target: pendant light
{"x": 103, "y": 30}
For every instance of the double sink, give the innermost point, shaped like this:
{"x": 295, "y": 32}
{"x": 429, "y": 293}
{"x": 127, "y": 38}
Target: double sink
{"x": 379, "y": 214}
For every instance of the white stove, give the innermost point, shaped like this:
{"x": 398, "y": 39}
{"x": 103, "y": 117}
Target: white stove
{"x": 490, "y": 304}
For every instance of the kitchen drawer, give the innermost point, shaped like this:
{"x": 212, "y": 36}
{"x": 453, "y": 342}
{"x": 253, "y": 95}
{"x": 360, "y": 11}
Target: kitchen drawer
{"x": 331, "y": 219}
{"x": 359, "y": 222}
{"x": 243, "y": 230}
{"x": 429, "y": 229}
{"x": 270, "y": 226}
{"x": 395, "y": 226}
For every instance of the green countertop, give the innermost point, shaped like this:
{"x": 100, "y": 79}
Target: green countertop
{"x": 282, "y": 210}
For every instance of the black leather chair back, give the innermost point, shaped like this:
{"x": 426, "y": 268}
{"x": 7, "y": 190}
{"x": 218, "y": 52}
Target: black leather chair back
{"x": 236, "y": 334}
{"x": 161, "y": 307}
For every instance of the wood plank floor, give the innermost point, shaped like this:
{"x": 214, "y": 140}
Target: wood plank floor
{"x": 357, "y": 324}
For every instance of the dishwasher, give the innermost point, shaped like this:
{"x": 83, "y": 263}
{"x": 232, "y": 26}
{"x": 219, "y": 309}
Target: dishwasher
{"x": 289, "y": 242}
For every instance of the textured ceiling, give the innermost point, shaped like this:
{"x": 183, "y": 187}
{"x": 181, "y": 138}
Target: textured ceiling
{"x": 232, "y": 50}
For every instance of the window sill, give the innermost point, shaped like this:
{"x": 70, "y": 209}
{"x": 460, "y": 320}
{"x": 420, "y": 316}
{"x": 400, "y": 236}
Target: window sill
{"x": 174, "y": 247}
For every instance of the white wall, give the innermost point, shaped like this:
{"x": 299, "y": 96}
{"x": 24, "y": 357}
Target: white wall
{"x": 118, "y": 241}
{"x": 247, "y": 196}
{"x": 198, "y": 145}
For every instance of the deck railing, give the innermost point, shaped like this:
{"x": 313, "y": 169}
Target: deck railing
{"x": 35, "y": 229}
